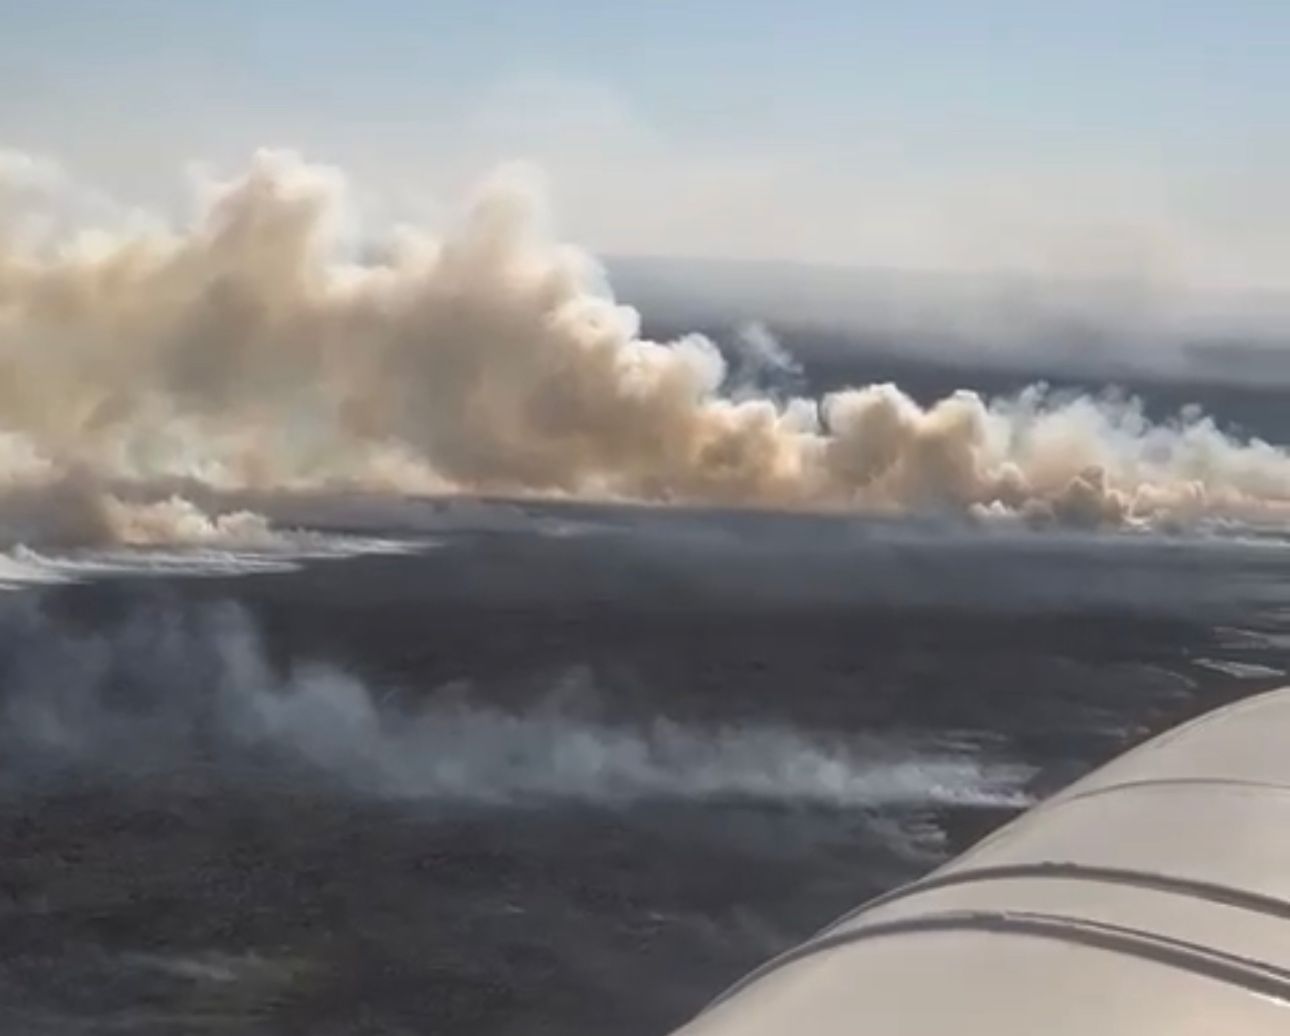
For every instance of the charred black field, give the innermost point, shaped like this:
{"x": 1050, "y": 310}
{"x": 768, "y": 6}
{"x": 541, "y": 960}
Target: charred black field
{"x": 557, "y": 769}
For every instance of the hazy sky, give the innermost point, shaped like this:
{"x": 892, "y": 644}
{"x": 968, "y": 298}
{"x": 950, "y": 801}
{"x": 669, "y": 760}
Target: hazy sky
{"x": 1132, "y": 137}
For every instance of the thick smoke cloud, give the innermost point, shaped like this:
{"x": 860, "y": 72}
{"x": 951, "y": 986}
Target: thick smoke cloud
{"x": 273, "y": 344}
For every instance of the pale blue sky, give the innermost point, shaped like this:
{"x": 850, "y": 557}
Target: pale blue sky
{"x": 818, "y": 129}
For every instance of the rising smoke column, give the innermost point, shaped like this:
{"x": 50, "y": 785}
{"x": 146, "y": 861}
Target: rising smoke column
{"x": 271, "y": 345}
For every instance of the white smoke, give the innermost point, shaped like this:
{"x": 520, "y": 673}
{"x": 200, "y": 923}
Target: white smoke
{"x": 171, "y": 692}
{"x": 70, "y": 510}
{"x": 273, "y": 343}
{"x": 763, "y": 366}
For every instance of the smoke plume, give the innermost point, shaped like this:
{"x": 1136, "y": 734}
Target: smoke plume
{"x": 274, "y": 343}
{"x": 180, "y": 690}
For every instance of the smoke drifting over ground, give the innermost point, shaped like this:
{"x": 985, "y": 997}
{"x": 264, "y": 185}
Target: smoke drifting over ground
{"x": 185, "y": 692}
{"x": 274, "y": 344}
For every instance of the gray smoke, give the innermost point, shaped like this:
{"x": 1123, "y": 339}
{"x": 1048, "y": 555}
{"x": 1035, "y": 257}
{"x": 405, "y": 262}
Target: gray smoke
{"x": 189, "y": 691}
